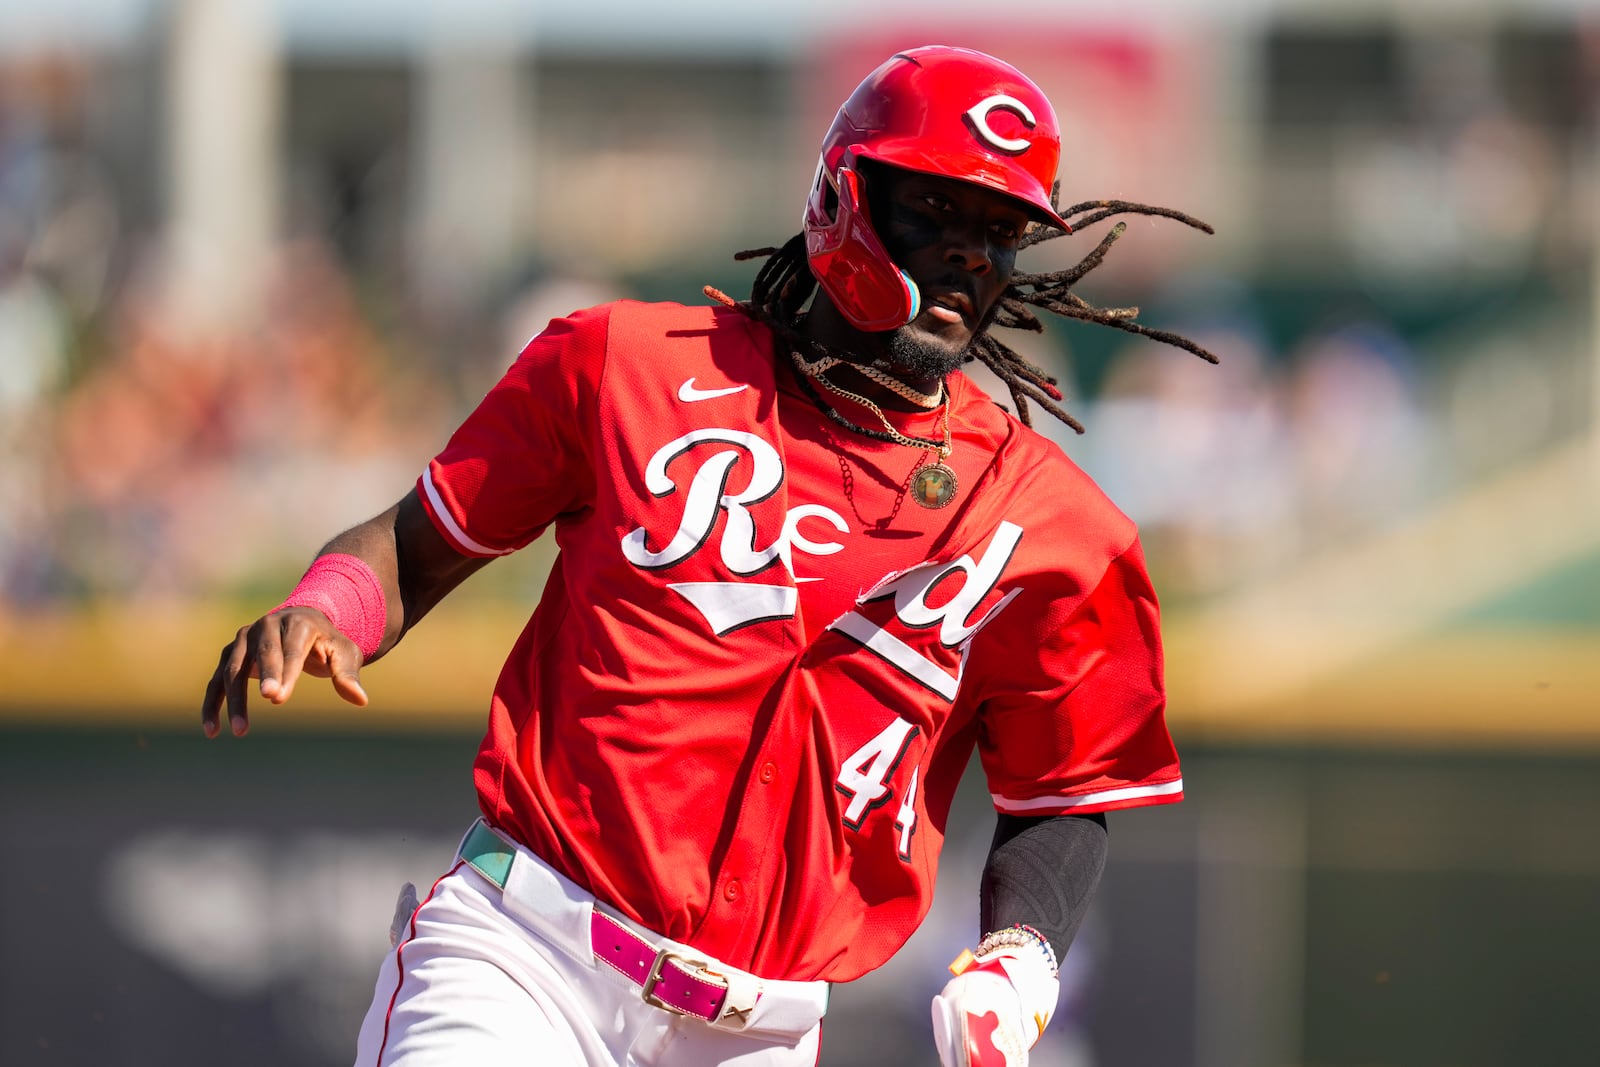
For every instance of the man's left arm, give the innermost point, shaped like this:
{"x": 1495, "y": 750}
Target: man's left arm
{"x": 1039, "y": 879}
{"x": 1042, "y": 873}
{"x": 1064, "y": 736}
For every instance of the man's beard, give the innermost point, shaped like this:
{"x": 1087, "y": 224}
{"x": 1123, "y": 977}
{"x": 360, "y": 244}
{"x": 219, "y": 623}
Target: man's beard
{"x": 916, "y": 356}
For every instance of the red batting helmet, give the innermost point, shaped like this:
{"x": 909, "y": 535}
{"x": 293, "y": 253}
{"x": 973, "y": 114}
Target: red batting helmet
{"x": 952, "y": 112}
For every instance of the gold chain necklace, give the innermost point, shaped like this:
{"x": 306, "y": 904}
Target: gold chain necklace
{"x": 932, "y": 485}
{"x": 847, "y": 475}
{"x": 927, "y": 401}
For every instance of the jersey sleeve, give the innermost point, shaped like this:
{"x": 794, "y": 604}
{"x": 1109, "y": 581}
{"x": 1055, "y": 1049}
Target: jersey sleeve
{"x": 1081, "y": 726}
{"x": 525, "y": 454}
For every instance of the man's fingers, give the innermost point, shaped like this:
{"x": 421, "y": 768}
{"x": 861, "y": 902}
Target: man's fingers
{"x": 236, "y": 679}
{"x": 269, "y": 658}
{"x": 336, "y": 657}
{"x": 211, "y": 706}
{"x": 297, "y": 640}
{"x": 344, "y": 666}
{"x": 278, "y": 649}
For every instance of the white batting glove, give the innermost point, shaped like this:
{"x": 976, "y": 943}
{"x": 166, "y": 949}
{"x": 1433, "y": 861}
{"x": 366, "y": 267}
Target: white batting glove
{"x": 994, "y": 1009}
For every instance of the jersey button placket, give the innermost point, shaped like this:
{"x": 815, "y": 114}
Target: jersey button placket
{"x": 769, "y": 771}
{"x": 731, "y": 891}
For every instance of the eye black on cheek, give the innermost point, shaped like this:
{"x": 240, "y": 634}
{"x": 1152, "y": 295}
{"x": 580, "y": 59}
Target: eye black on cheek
{"x": 910, "y": 230}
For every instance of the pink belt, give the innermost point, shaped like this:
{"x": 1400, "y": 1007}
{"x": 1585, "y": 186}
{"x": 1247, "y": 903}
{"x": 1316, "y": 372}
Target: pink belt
{"x": 666, "y": 979}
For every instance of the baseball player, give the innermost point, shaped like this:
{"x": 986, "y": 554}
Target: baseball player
{"x": 806, "y": 567}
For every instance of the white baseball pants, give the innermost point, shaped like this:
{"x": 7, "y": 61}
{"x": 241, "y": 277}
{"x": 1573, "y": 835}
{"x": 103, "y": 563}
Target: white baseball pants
{"x": 485, "y": 976}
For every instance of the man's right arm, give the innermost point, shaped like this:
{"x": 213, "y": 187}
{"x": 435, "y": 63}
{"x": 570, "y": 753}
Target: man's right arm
{"x": 412, "y": 564}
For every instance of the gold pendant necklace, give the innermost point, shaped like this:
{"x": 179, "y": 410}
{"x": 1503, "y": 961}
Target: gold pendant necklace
{"x": 932, "y": 485}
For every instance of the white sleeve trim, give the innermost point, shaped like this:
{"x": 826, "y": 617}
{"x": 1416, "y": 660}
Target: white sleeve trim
{"x": 451, "y": 526}
{"x": 1106, "y": 796}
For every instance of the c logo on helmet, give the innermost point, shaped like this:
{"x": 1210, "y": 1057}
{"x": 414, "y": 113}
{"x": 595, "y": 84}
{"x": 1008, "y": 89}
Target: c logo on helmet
{"x": 978, "y": 114}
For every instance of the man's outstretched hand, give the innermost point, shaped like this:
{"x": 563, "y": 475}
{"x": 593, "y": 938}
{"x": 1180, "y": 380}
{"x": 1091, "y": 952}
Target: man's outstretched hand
{"x": 278, "y": 648}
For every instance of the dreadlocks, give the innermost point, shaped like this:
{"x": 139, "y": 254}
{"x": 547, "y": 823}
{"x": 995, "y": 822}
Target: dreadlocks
{"x": 785, "y": 283}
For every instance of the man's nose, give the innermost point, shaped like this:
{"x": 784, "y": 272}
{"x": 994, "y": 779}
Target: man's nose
{"x": 967, "y": 246}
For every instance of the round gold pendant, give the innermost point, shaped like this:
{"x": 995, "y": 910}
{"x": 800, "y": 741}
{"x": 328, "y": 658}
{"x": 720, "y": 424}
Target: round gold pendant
{"x": 933, "y": 486}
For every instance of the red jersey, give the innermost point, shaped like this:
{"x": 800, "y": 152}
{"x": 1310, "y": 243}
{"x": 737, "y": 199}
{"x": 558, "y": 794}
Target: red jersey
{"x": 742, "y": 706}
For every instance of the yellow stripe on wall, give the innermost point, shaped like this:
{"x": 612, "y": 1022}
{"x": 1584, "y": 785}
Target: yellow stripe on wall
{"x": 148, "y": 669}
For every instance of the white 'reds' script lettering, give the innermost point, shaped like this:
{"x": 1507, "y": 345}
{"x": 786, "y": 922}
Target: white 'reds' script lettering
{"x": 910, "y": 591}
{"x": 728, "y": 605}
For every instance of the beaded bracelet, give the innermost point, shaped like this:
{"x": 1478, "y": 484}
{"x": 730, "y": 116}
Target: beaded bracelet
{"x": 1019, "y": 936}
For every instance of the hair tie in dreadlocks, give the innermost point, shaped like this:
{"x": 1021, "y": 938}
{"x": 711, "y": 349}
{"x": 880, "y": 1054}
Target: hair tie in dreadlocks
{"x": 785, "y": 283}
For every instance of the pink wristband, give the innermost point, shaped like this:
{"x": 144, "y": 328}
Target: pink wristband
{"x": 347, "y": 591}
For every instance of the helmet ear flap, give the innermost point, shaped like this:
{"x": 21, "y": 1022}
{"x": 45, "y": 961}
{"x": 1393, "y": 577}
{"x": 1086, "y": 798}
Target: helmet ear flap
{"x": 908, "y": 298}
{"x": 849, "y": 260}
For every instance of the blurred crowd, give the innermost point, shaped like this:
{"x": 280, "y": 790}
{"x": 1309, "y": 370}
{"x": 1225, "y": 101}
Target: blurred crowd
{"x": 1236, "y": 471}
{"x": 142, "y": 460}
{"x": 142, "y": 457}
{"x": 169, "y": 464}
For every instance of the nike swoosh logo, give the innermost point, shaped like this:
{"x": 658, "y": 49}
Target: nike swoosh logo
{"x": 689, "y": 394}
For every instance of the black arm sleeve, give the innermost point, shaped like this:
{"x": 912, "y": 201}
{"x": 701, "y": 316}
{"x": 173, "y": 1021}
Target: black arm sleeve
{"x": 1042, "y": 872}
